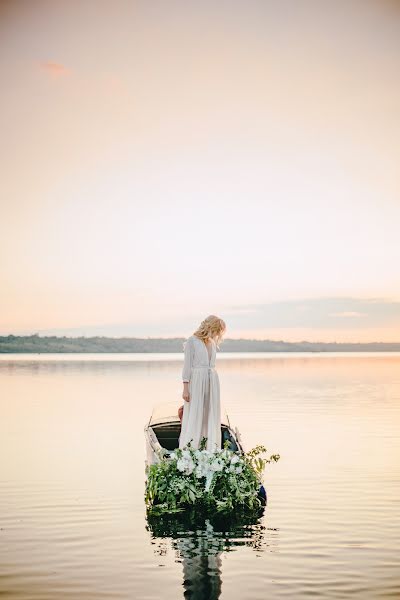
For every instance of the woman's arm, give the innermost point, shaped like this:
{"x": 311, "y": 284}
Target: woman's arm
{"x": 187, "y": 368}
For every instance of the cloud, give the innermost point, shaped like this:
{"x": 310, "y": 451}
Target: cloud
{"x": 54, "y": 69}
{"x": 349, "y": 313}
{"x": 317, "y": 313}
{"x": 347, "y": 318}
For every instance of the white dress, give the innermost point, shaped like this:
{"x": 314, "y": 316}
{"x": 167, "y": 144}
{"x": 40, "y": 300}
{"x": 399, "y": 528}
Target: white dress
{"x": 202, "y": 414}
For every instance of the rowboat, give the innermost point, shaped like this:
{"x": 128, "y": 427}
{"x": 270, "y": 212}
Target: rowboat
{"x": 163, "y": 430}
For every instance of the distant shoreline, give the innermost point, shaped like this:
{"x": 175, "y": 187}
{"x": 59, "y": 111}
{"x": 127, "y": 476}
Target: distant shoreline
{"x": 34, "y": 344}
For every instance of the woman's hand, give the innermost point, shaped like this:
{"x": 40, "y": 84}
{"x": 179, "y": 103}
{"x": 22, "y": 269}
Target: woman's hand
{"x": 185, "y": 393}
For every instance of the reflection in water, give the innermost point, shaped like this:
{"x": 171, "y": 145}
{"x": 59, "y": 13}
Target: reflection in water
{"x": 72, "y": 524}
{"x": 199, "y": 542}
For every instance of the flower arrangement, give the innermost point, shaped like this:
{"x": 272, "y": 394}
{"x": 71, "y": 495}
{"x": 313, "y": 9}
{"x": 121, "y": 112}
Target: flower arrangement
{"x": 211, "y": 481}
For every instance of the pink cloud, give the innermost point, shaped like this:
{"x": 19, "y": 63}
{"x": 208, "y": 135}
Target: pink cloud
{"x": 55, "y": 69}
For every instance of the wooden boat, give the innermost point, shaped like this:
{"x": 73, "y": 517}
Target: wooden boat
{"x": 164, "y": 427}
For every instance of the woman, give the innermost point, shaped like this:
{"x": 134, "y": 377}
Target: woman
{"x": 201, "y": 392}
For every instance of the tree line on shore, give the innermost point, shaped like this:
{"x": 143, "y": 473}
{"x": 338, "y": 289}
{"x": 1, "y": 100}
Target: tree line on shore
{"x": 56, "y": 344}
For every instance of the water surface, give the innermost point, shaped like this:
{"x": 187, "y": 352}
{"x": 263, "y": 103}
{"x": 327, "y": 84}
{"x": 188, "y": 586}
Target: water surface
{"x": 72, "y": 516}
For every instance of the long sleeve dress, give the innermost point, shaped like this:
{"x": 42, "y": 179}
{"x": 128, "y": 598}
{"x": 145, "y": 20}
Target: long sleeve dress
{"x": 202, "y": 414}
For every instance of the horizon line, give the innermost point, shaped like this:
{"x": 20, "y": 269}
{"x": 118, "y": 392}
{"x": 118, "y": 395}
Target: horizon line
{"x": 37, "y": 334}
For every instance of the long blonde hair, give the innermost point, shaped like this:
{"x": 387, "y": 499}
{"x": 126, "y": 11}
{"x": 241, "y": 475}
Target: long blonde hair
{"x": 212, "y": 327}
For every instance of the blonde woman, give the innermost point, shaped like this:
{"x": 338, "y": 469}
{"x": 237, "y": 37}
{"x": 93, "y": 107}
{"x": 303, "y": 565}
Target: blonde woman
{"x": 201, "y": 392}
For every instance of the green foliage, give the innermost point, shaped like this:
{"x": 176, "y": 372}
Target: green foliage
{"x": 58, "y": 344}
{"x": 222, "y": 481}
{"x": 257, "y": 462}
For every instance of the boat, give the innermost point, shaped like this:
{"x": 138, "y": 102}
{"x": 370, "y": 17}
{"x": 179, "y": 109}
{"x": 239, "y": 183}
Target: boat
{"x": 163, "y": 429}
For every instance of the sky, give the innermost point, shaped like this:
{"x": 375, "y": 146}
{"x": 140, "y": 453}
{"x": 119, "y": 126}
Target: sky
{"x": 162, "y": 161}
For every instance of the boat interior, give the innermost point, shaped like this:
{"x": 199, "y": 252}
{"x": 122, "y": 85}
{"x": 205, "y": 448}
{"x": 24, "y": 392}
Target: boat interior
{"x": 168, "y": 435}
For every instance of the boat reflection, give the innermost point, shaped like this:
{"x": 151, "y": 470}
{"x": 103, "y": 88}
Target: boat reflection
{"x": 198, "y": 543}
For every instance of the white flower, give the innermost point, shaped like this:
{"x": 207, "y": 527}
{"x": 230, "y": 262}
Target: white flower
{"x": 239, "y": 469}
{"x": 217, "y": 465}
{"x": 208, "y": 482}
{"x": 234, "y": 459}
{"x": 185, "y": 465}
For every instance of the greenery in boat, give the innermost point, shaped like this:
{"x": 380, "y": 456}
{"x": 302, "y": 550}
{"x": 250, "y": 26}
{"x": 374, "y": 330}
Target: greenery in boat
{"x": 210, "y": 481}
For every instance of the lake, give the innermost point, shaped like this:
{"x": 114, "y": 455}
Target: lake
{"x": 72, "y": 515}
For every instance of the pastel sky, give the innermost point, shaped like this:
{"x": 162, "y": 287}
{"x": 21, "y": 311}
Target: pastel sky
{"x": 162, "y": 161}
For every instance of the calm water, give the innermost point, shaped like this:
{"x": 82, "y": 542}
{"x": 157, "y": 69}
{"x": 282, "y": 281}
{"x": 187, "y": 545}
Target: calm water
{"x": 72, "y": 516}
